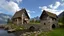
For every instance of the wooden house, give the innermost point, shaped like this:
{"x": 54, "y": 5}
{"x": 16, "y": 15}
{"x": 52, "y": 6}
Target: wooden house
{"x": 21, "y": 17}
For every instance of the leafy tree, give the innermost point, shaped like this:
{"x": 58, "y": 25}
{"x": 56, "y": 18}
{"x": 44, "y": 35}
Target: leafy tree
{"x": 9, "y": 21}
{"x": 62, "y": 20}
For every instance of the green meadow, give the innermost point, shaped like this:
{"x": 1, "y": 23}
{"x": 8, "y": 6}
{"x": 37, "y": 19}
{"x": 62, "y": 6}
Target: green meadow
{"x": 55, "y": 32}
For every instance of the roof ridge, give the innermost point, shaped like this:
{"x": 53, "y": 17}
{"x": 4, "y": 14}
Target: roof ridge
{"x": 49, "y": 12}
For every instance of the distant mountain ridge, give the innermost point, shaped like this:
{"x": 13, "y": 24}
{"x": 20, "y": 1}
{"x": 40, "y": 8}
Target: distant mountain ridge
{"x": 4, "y": 17}
{"x": 37, "y": 18}
{"x": 61, "y": 15}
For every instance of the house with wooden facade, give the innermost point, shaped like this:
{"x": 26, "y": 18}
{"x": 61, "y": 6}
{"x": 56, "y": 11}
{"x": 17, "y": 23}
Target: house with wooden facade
{"x": 21, "y": 17}
{"x": 48, "y": 20}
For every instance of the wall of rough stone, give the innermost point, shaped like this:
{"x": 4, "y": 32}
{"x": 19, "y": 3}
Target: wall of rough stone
{"x": 48, "y": 23}
{"x": 36, "y": 26}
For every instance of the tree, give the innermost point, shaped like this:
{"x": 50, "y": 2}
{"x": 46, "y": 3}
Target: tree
{"x": 9, "y": 21}
{"x": 62, "y": 20}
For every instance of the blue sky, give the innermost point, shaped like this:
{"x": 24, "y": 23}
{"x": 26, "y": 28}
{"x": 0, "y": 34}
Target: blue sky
{"x": 33, "y": 7}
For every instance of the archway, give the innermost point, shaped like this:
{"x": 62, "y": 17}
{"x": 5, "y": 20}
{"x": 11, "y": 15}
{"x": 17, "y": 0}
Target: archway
{"x": 31, "y": 28}
{"x": 53, "y": 26}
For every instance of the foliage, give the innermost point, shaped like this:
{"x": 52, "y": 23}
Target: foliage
{"x": 9, "y": 21}
{"x": 16, "y": 27}
{"x": 61, "y": 20}
{"x": 35, "y": 22}
{"x": 55, "y": 32}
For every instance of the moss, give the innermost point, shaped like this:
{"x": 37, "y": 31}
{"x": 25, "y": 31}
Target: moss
{"x": 18, "y": 28}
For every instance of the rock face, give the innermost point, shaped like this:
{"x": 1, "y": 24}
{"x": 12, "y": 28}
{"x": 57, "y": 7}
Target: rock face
{"x": 3, "y": 18}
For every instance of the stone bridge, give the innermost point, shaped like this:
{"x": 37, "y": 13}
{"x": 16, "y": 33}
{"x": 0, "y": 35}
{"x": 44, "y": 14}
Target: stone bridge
{"x": 32, "y": 26}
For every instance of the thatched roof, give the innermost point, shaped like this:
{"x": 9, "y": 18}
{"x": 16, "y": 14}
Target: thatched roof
{"x": 49, "y": 14}
{"x": 19, "y": 13}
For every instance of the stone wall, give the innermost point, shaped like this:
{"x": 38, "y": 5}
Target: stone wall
{"x": 47, "y": 23}
{"x": 36, "y": 26}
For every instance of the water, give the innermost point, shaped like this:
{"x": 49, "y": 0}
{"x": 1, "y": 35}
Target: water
{"x": 5, "y": 33}
{"x": 18, "y": 33}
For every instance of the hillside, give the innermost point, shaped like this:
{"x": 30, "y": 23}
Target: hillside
{"x": 61, "y": 15}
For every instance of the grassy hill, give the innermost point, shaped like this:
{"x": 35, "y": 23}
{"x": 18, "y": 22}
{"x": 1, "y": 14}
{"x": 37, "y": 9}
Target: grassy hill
{"x": 55, "y": 32}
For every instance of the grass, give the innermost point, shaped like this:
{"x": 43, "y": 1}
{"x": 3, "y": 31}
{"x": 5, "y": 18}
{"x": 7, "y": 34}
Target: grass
{"x": 34, "y": 23}
{"x": 60, "y": 23}
{"x": 16, "y": 27}
{"x": 55, "y": 32}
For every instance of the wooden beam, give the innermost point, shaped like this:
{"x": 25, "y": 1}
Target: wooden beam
{"x": 22, "y": 18}
{"x": 17, "y": 21}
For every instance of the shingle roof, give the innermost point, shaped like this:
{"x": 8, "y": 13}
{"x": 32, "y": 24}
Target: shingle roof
{"x": 49, "y": 14}
{"x": 19, "y": 13}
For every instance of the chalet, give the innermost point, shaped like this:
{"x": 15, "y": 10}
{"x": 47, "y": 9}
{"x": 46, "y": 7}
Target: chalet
{"x": 21, "y": 17}
{"x": 48, "y": 20}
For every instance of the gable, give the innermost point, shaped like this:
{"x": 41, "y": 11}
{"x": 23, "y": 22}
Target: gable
{"x": 43, "y": 15}
{"x": 48, "y": 14}
{"x": 19, "y": 14}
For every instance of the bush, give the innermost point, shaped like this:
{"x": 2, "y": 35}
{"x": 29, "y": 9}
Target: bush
{"x": 16, "y": 27}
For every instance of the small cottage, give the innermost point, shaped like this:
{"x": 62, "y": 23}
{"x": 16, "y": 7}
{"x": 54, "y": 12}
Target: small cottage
{"x": 48, "y": 20}
{"x": 21, "y": 17}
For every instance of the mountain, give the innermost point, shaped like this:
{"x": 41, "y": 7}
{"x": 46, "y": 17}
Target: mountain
{"x": 4, "y": 17}
{"x": 61, "y": 15}
{"x": 36, "y": 18}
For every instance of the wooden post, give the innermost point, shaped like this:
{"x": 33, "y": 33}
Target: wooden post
{"x": 22, "y": 18}
{"x": 17, "y": 21}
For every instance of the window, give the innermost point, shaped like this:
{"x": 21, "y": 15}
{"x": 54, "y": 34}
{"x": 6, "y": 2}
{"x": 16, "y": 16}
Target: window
{"x": 44, "y": 23}
{"x": 48, "y": 22}
{"x": 52, "y": 18}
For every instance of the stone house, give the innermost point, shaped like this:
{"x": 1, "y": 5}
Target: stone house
{"x": 48, "y": 20}
{"x": 21, "y": 17}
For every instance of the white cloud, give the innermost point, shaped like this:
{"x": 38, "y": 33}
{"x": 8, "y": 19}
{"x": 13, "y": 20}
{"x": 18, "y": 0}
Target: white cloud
{"x": 1, "y": 12}
{"x": 17, "y": 1}
{"x": 52, "y": 8}
{"x": 57, "y": 12}
{"x": 62, "y": 4}
{"x": 13, "y": 6}
{"x": 55, "y": 6}
{"x": 62, "y": 0}
{"x": 29, "y": 12}
{"x": 9, "y": 6}
{"x": 43, "y": 8}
